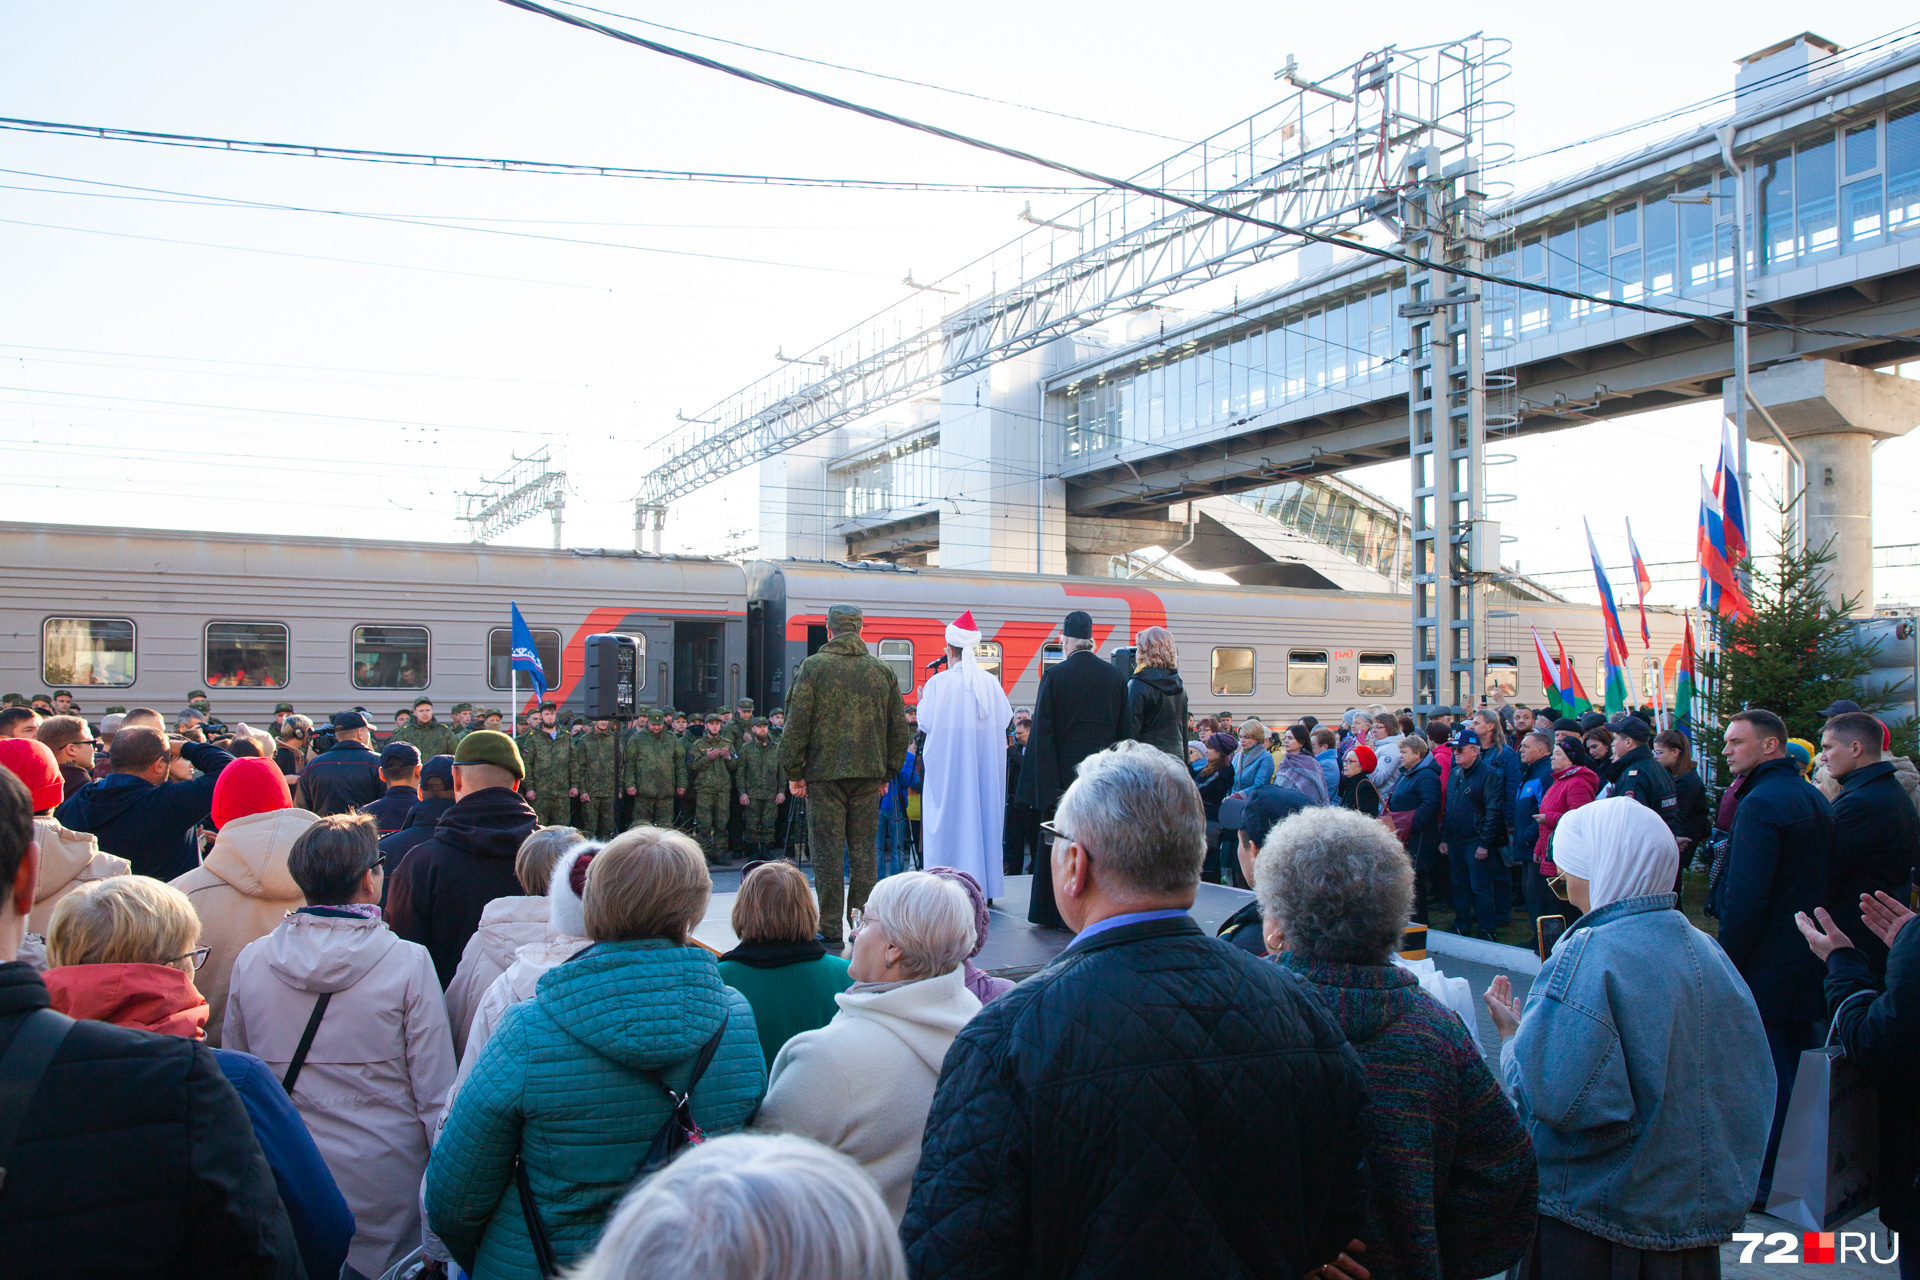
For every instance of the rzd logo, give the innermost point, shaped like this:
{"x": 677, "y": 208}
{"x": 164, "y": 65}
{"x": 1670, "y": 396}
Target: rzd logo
{"x": 1817, "y": 1246}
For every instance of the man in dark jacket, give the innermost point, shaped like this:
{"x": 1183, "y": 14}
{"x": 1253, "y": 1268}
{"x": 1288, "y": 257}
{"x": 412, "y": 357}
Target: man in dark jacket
{"x": 134, "y": 1156}
{"x": 1154, "y": 1102}
{"x": 444, "y": 883}
{"x": 847, "y": 736}
{"x": 136, "y": 814}
{"x": 1472, "y": 833}
{"x": 1081, "y": 708}
{"x": 436, "y": 797}
{"x": 1876, "y": 834}
{"x": 1637, "y": 774}
{"x": 400, "y": 770}
{"x": 1536, "y": 775}
{"x": 343, "y": 779}
{"x": 1779, "y": 856}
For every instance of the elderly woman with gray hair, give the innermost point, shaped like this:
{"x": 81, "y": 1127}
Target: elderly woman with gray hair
{"x": 1156, "y": 698}
{"x": 1638, "y": 1064}
{"x": 863, "y": 1083}
{"x": 1452, "y": 1173}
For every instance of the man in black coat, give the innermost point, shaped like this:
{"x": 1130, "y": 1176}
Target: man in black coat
{"x": 1636, "y": 773}
{"x": 1876, "y": 833}
{"x": 343, "y": 779}
{"x": 1081, "y": 708}
{"x": 436, "y": 797}
{"x": 1473, "y": 830}
{"x": 400, "y": 770}
{"x": 137, "y": 814}
{"x": 1779, "y": 854}
{"x": 1154, "y": 1102}
{"x": 135, "y": 1156}
{"x": 445, "y": 882}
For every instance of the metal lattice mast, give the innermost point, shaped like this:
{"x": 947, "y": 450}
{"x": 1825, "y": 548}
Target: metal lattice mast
{"x": 527, "y": 488}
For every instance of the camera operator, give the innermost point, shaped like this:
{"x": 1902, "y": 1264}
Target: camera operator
{"x": 347, "y": 776}
{"x": 292, "y": 736}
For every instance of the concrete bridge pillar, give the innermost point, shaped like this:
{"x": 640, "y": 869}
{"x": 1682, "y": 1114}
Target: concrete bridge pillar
{"x": 1835, "y": 413}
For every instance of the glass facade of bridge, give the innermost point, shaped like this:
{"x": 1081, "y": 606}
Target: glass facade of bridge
{"x": 1854, "y": 188}
{"x": 905, "y": 475}
{"x": 1380, "y": 541}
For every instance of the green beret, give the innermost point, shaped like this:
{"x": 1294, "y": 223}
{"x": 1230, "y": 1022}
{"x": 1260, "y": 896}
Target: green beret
{"x": 844, "y": 617}
{"x": 280, "y": 707}
{"x": 490, "y": 746}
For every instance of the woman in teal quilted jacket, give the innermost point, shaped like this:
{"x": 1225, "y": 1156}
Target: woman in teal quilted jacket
{"x": 574, "y": 1082}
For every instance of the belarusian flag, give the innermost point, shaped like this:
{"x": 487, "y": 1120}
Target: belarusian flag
{"x": 1549, "y": 674}
{"x": 1684, "y": 685}
{"x": 1574, "y": 702}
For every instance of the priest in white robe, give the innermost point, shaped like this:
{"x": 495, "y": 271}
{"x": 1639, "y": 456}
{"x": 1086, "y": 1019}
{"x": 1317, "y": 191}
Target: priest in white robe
{"x": 964, "y": 713}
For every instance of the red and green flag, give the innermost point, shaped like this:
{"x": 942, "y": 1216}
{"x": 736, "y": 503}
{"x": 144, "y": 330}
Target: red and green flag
{"x": 1574, "y": 702}
{"x": 1549, "y": 674}
{"x": 1685, "y": 682}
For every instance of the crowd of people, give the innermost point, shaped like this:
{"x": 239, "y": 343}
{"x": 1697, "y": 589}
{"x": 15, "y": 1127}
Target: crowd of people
{"x": 280, "y": 1003}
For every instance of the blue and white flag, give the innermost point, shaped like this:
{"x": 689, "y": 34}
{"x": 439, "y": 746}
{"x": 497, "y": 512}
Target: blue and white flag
{"x": 525, "y": 657}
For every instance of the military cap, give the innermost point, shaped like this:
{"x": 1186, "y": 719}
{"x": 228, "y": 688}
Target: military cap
{"x": 549, "y": 706}
{"x": 13, "y": 700}
{"x": 440, "y": 767}
{"x": 39, "y": 698}
{"x": 1636, "y": 728}
{"x": 745, "y": 704}
{"x": 1078, "y": 625}
{"x": 280, "y": 708}
{"x": 758, "y": 721}
{"x": 490, "y": 746}
{"x": 669, "y": 713}
{"x": 711, "y": 716}
{"x": 116, "y": 711}
{"x": 656, "y": 715}
{"x": 197, "y": 693}
{"x": 458, "y": 707}
{"x": 844, "y": 617}
{"x": 58, "y": 692}
{"x": 423, "y": 701}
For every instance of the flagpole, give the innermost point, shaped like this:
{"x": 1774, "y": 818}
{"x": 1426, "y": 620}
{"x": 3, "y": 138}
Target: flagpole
{"x": 513, "y": 724}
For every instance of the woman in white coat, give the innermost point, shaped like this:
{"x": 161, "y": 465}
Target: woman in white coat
{"x": 863, "y": 1083}
{"x": 375, "y": 1079}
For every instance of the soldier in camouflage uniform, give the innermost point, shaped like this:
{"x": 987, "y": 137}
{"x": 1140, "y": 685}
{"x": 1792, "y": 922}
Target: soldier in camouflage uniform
{"x": 594, "y": 776}
{"x": 653, "y": 772}
{"x": 548, "y": 754}
{"x": 710, "y": 766}
{"x": 462, "y": 722}
{"x": 741, "y": 724}
{"x": 846, "y": 736}
{"x": 426, "y": 733}
{"x": 761, "y": 786}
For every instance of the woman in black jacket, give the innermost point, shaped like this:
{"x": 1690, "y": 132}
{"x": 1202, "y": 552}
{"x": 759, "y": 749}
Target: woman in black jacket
{"x": 1214, "y": 777}
{"x": 1415, "y": 807}
{"x": 1357, "y": 791}
{"x": 1692, "y": 820}
{"x": 1156, "y": 699}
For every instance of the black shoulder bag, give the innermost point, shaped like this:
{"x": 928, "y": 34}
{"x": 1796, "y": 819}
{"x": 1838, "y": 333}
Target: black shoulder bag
{"x": 306, "y": 1042}
{"x": 25, "y": 1064}
{"x": 679, "y": 1132}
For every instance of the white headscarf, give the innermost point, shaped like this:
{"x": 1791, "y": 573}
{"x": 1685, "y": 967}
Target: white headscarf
{"x": 1621, "y": 848}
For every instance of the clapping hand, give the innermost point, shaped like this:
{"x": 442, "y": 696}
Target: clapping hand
{"x": 1344, "y": 1267}
{"x": 1503, "y": 1006}
{"x": 1884, "y": 915}
{"x": 1823, "y": 938}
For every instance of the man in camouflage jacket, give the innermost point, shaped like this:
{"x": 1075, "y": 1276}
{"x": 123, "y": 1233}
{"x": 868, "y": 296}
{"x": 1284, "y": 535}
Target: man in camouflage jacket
{"x": 710, "y": 766}
{"x": 548, "y": 753}
{"x": 427, "y": 734}
{"x": 846, "y": 736}
{"x": 762, "y": 787}
{"x": 594, "y": 776}
{"x": 654, "y": 771}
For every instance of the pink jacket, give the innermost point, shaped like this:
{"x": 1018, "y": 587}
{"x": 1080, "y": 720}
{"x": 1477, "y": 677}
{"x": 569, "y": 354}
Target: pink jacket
{"x": 1572, "y": 787}
{"x": 376, "y": 1079}
{"x": 506, "y": 925}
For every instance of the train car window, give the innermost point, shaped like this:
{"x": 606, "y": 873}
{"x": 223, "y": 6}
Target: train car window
{"x": 1231, "y": 672}
{"x": 1650, "y": 681}
{"x": 1375, "y": 675}
{"x": 1306, "y": 673}
{"x": 95, "y": 651}
{"x": 898, "y": 654}
{"x": 1052, "y": 654}
{"x": 1503, "y": 675}
{"x": 246, "y": 655}
{"x": 1600, "y": 677}
{"x": 390, "y": 658}
{"x": 988, "y": 653}
{"x": 545, "y": 643}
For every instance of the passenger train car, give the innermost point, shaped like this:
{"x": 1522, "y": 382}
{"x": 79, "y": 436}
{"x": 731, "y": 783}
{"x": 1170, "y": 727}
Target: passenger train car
{"x": 140, "y": 618}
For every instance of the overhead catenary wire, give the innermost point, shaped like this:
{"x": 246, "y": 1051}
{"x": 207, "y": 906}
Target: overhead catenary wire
{"x": 1140, "y": 189}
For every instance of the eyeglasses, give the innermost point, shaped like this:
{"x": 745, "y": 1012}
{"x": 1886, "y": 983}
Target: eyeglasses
{"x": 198, "y": 955}
{"x": 860, "y": 920}
{"x": 1559, "y": 886}
{"x": 1050, "y": 833}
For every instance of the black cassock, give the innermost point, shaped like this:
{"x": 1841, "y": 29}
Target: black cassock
{"x": 1081, "y": 709}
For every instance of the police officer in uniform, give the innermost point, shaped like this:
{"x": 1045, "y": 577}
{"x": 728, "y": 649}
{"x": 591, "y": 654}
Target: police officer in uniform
{"x": 1638, "y": 774}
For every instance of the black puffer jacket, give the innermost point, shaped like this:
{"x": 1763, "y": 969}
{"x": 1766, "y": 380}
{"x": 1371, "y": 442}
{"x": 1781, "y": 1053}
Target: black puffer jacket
{"x": 1153, "y": 1103}
{"x": 1157, "y": 710}
{"x": 136, "y": 1159}
{"x": 1882, "y": 1034}
{"x": 442, "y": 885}
{"x": 1875, "y": 837}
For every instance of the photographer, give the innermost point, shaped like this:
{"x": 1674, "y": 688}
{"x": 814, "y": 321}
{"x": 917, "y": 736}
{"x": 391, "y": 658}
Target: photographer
{"x": 292, "y": 734}
{"x": 345, "y": 777}
{"x": 137, "y": 814}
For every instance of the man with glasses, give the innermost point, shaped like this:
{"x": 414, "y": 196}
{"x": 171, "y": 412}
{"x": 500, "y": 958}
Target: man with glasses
{"x": 1146, "y": 1057}
{"x": 73, "y": 745}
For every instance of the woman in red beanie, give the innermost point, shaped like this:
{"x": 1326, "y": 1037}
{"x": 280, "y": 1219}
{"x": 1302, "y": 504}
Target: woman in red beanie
{"x": 68, "y": 859}
{"x": 242, "y": 889}
{"x": 1356, "y": 788}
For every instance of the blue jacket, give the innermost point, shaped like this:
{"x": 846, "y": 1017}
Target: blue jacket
{"x": 1778, "y": 860}
{"x": 1534, "y": 781}
{"x": 1642, "y": 1074}
{"x": 322, "y": 1222}
{"x": 1329, "y": 769}
{"x": 156, "y": 828}
{"x": 1254, "y": 769}
{"x": 1418, "y": 791}
{"x": 560, "y": 1085}
{"x": 1505, "y": 761}
{"x": 1474, "y": 817}
{"x": 893, "y": 801}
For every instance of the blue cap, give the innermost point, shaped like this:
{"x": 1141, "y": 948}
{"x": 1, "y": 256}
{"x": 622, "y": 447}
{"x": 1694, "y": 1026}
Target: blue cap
{"x": 400, "y": 755}
{"x": 440, "y": 767}
{"x": 350, "y": 720}
{"x": 1464, "y": 738}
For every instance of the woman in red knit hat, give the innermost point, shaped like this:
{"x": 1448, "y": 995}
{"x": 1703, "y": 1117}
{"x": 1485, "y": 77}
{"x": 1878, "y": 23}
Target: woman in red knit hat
{"x": 1357, "y": 791}
{"x": 242, "y": 889}
{"x": 68, "y": 859}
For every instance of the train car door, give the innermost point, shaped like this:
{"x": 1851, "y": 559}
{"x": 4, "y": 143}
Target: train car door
{"x": 699, "y": 658}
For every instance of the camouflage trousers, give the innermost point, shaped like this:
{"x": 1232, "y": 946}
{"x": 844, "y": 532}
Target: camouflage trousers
{"x": 596, "y": 818}
{"x": 553, "y": 809}
{"x": 652, "y": 811}
{"x": 843, "y": 818}
{"x": 710, "y": 822}
{"x": 760, "y": 815}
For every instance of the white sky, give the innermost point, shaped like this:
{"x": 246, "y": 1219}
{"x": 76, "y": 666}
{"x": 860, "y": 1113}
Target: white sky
{"x": 325, "y": 374}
